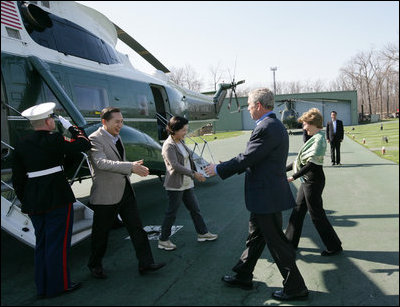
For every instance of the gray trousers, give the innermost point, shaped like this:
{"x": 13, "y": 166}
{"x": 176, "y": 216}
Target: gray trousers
{"x": 191, "y": 203}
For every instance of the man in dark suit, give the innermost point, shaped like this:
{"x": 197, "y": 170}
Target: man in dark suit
{"x": 46, "y": 196}
{"x": 334, "y": 136}
{"x": 267, "y": 194}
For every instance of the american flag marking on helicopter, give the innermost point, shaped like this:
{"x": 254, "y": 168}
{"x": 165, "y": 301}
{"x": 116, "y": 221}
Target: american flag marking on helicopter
{"x": 9, "y": 15}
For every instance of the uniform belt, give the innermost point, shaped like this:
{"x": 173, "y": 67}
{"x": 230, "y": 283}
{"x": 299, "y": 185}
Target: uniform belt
{"x": 45, "y": 172}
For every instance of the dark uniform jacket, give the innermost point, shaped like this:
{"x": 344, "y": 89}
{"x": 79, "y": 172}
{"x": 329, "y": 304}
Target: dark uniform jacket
{"x": 40, "y": 150}
{"x": 264, "y": 161}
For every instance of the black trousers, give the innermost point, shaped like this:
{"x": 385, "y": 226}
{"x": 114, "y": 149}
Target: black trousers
{"x": 53, "y": 231}
{"x": 309, "y": 197}
{"x": 266, "y": 229}
{"x": 335, "y": 151}
{"x": 103, "y": 219}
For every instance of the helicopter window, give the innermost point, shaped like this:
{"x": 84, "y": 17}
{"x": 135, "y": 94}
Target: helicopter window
{"x": 46, "y": 3}
{"x": 13, "y": 33}
{"x": 90, "y": 99}
{"x": 60, "y": 34}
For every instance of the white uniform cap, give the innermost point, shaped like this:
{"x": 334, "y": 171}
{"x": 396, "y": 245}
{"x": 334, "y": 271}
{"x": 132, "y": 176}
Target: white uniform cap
{"x": 39, "y": 111}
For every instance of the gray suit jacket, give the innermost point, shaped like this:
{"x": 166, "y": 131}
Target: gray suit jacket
{"x": 109, "y": 172}
{"x": 174, "y": 163}
{"x": 264, "y": 161}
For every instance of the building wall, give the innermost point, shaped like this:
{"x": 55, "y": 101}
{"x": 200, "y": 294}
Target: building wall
{"x": 343, "y": 102}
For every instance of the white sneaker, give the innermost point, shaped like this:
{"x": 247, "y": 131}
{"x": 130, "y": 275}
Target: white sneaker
{"x": 207, "y": 237}
{"x": 167, "y": 245}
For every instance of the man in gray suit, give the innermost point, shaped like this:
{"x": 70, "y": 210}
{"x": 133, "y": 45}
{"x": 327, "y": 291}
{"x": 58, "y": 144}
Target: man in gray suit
{"x": 112, "y": 194}
{"x": 267, "y": 194}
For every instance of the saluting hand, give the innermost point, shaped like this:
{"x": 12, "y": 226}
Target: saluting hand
{"x": 65, "y": 123}
{"x": 139, "y": 168}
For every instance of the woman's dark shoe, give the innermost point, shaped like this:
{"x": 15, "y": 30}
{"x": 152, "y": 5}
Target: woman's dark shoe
{"x": 151, "y": 267}
{"x": 331, "y": 253}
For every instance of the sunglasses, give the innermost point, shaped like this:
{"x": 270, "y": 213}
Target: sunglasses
{"x": 52, "y": 115}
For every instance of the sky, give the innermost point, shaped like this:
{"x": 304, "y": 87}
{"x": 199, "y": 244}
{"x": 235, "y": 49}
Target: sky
{"x": 306, "y": 41}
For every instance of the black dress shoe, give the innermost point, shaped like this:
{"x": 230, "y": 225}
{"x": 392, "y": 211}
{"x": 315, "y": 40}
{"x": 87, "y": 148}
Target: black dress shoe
{"x": 73, "y": 287}
{"x": 331, "y": 253}
{"x": 98, "y": 273}
{"x": 282, "y": 296}
{"x": 151, "y": 267}
{"x": 233, "y": 281}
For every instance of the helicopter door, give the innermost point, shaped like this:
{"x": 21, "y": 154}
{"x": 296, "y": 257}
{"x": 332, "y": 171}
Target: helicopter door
{"x": 162, "y": 110}
{"x": 5, "y": 135}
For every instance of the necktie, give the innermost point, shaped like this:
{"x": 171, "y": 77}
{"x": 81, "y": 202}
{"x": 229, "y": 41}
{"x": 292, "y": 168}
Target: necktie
{"x": 120, "y": 148}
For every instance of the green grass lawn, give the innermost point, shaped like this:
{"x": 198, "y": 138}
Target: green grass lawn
{"x": 216, "y": 136}
{"x": 374, "y": 138}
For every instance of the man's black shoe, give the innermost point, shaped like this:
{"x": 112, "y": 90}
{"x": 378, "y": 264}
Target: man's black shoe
{"x": 331, "y": 253}
{"x": 282, "y": 296}
{"x": 98, "y": 273}
{"x": 73, "y": 287}
{"x": 151, "y": 267}
{"x": 233, "y": 281}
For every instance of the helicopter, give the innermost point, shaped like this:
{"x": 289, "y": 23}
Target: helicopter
{"x": 65, "y": 52}
{"x": 289, "y": 115}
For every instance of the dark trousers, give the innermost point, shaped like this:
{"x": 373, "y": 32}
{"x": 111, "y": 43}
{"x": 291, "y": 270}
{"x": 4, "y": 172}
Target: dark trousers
{"x": 53, "y": 231}
{"x": 335, "y": 151}
{"x": 266, "y": 229}
{"x": 190, "y": 200}
{"x": 309, "y": 197}
{"x": 103, "y": 219}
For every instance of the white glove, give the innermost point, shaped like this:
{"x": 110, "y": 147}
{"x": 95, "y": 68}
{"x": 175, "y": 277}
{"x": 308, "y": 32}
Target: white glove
{"x": 66, "y": 124}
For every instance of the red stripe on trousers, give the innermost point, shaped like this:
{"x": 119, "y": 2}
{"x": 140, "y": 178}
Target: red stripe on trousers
{"x": 65, "y": 273}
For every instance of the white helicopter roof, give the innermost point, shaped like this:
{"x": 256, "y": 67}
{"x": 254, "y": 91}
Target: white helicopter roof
{"x": 22, "y": 44}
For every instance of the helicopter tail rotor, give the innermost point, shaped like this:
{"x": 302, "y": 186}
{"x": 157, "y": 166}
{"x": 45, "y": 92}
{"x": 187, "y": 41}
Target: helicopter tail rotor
{"x": 233, "y": 91}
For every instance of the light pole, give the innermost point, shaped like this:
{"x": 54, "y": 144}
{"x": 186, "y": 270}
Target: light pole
{"x": 273, "y": 71}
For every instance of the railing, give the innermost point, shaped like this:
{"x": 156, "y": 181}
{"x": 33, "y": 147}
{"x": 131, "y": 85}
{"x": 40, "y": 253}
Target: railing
{"x": 196, "y": 145}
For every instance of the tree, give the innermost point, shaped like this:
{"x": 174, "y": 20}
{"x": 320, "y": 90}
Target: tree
{"x": 186, "y": 77}
{"x": 216, "y": 75}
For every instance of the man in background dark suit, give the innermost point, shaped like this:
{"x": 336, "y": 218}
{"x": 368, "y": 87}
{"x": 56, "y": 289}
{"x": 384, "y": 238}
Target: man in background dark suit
{"x": 267, "y": 194}
{"x": 334, "y": 136}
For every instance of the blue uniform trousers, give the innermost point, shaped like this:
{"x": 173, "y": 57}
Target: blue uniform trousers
{"x": 53, "y": 231}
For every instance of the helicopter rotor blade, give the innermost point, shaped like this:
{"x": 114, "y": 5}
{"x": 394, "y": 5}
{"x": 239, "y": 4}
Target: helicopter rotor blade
{"x": 132, "y": 43}
{"x": 237, "y": 100}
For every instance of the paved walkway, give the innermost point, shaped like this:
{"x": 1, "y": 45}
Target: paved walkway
{"x": 361, "y": 198}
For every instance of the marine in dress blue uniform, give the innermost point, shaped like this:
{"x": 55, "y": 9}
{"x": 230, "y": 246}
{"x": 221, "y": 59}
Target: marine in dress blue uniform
{"x": 46, "y": 196}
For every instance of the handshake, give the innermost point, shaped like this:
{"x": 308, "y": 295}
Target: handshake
{"x": 210, "y": 170}
{"x": 141, "y": 170}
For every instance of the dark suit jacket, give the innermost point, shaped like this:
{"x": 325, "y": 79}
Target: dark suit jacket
{"x": 339, "y": 131}
{"x": 264, "y": 161}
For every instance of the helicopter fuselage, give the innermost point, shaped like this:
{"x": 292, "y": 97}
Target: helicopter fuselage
{"x": 81, "y": 70}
